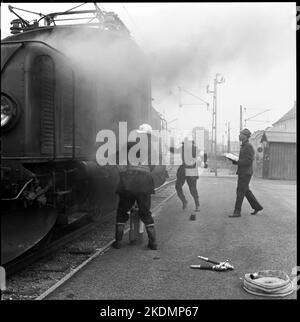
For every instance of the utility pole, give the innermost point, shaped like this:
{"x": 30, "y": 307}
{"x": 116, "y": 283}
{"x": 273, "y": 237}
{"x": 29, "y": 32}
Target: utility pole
{"x": 179, "y": 89}
{"x": 214, "y": 117}
{"x": 228, "y": 144}
{"x": 241, "y": 118}
{"x": 223, "y": 147}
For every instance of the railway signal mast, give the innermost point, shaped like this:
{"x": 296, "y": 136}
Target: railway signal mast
{"x": 217, "y": 81}
{"x": 228, "y": 136}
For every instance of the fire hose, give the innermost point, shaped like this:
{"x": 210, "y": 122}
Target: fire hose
{"x": 218, "y": 266}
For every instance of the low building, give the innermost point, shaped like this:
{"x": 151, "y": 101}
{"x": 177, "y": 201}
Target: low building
{"x": 287, "y": 122}
{"x": 279, "y": 155}
{"x": 280, "y": 148}
{"x": 255, "y": 141}
{"x": 275, "y": 149}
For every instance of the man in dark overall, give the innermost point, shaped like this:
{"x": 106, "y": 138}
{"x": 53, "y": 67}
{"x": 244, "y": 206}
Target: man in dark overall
{"x": 136, "y": 185}
{"x": 187, "y": 172}
{"x": 244, "y": 173}
{"x": 205, "y": 160}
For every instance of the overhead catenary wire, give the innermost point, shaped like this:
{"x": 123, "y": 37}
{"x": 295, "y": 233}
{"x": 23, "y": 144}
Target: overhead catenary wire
{"x": 182, "y": 89}
{"x": 267, "y": 110}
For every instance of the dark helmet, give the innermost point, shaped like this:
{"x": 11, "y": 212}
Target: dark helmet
{"x": 246, "y": 132}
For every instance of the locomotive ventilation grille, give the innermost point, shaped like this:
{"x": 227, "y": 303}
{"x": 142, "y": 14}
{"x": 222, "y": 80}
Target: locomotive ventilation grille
{"x": 47, "y": 105}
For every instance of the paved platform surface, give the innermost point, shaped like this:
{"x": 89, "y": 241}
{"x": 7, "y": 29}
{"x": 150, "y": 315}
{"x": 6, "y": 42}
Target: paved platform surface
{"x": 251, "y": 243}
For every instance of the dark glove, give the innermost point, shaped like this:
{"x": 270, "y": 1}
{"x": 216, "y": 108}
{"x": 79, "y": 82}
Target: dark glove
{"x": 234, "y": 162}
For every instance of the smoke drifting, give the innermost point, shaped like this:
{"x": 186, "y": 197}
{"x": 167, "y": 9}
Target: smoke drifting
{"x": 207, "y": 37}
{"x": 116, "y": 66}
{"x": 98, "y": 53}
{"x": 252, "y": 44}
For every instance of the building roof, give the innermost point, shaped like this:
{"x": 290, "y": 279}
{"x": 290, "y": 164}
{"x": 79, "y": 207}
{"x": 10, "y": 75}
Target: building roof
{"x": 291, "y": 114}
{"x": 257, "y": 134}
{"x": 279, "y": 136}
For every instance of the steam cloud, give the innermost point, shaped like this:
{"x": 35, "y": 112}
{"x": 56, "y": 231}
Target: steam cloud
{"x": 115, "y": 64}
{"x": 190, "y": 49}
{"x": 98, "y": 54}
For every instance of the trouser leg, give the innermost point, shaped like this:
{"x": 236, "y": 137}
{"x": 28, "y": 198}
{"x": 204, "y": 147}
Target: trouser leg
{"x": 118, "y": 235}
{"x": 179, "y": 183}
{"x": 152, "y": 244}
{"x": 180, "y": 194}
{"x": 126, "y": 201}
{"x": 144, "y": 204}
{"x": 192, "y": 183}
{"x": 252, "y": 200}
{"x": 242, "y": 188}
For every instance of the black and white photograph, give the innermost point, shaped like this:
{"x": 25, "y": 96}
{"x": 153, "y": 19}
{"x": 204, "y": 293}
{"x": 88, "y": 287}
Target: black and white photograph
{"x": 148, "y": 152}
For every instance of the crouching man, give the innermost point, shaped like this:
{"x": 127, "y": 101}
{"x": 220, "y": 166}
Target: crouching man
{"x": 136, "y": 185}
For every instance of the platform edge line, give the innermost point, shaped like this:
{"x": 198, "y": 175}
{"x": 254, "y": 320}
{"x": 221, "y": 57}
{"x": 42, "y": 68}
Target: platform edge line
{"x": 98, "y": 252}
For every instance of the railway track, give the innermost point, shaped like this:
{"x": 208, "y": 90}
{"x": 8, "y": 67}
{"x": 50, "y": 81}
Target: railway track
{"x": 28, "y": 264}
{"x": 32, "y": 256}
{"x": 41, "y": 251}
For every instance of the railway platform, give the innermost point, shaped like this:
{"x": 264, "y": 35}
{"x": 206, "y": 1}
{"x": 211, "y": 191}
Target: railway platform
{"x": 251, "y": 243}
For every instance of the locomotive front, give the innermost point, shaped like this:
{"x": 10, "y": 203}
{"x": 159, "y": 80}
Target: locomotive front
{"x": 32, "y": 178}
{"x": 52, "y": 107}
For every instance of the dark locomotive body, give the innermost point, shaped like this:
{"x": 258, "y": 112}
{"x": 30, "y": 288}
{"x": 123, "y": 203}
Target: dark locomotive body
{"x": 48, "y": 167}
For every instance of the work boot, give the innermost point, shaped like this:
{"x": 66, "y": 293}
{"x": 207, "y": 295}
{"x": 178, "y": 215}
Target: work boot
{"x": 119, "y": 235}
{"x": 236, "y": 213}
{"x": 152, "y": 237}
{"x": 256, "y": 211}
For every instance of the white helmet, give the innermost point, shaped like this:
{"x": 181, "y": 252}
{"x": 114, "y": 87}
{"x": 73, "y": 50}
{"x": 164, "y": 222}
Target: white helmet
{"x": 144, "y": 128}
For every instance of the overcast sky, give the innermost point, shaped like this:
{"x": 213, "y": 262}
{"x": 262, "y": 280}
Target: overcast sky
{"x": 253, "y": 45}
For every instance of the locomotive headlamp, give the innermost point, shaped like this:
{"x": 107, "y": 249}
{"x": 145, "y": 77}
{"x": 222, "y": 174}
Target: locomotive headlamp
{"x": 8, "y": 110}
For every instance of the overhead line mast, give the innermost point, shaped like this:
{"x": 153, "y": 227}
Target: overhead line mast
{"x": 214, "y": 118}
